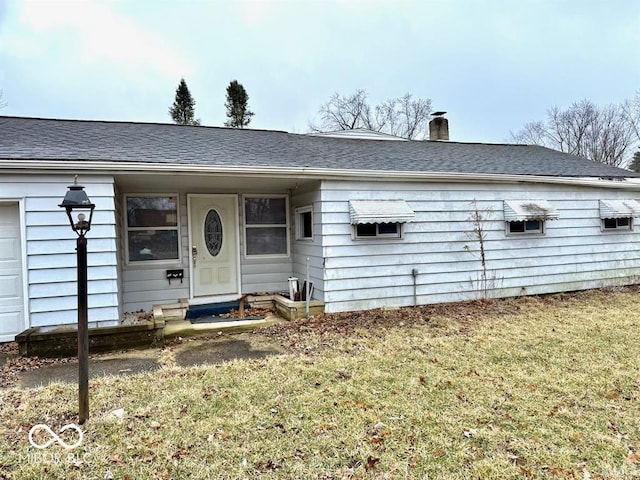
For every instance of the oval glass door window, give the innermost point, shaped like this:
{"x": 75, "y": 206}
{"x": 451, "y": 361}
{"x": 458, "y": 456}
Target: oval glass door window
{"x": 213, "y": 232}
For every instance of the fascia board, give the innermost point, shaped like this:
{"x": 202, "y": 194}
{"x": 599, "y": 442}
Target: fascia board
{"x": 113, "y": 168}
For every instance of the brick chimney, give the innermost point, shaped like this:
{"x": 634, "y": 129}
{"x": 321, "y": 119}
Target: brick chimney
{"x": 438, "y": 127}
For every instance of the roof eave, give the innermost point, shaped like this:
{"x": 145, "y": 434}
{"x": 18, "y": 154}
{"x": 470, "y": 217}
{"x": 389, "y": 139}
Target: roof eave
{"x": 113, "y": 168}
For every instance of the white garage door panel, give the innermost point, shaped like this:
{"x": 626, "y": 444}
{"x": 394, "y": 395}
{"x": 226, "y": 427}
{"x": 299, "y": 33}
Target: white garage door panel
{"x": 10, "y": 324}
{"x": 10, "y": 287}
{"x": 9, "y": 248}
{"x": 11, "y": 294}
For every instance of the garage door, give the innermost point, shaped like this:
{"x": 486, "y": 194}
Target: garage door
{"x": 11, "y": 300}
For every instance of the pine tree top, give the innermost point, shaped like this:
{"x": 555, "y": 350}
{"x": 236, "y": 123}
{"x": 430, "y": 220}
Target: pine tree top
{"x": 183, "y": 109}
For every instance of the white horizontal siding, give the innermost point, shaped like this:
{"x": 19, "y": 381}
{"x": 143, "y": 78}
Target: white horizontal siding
{"x": 101, "y": 217}
{"x": 45, "y": 247}
{"x": 63, "y": 302}
{"x": 47, "y": 290}
{"x": 51, "y": 261}
{"x": 573, "y": 254}
{"x": 265, "y": 275}
{"x": 99, "y": 317}
{"x": 70, "y": 274}
{"x": 309, "y": 249}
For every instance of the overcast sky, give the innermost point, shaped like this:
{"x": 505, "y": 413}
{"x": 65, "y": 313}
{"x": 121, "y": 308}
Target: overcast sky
{"x": 492, "y": 64}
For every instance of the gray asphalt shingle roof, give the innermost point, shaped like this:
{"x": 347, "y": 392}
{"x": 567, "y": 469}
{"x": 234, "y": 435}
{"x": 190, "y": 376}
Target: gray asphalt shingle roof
{"x": 75, "y": 140}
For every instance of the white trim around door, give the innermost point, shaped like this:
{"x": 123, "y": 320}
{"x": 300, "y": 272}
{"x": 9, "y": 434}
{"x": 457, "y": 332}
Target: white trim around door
{"x": 214, "y": 248}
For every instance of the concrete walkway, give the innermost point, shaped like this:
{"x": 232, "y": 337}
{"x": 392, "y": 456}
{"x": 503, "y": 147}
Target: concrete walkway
{"x": 187, "y": 345}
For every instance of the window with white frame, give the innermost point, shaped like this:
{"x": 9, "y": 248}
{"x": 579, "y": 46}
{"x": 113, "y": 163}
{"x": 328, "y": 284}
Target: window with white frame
{"x": 622, "y": 223}
{"x": 528, "y": 217}
{"x": 152, "y": 228}
{"x": 525, "y": 226}
{"x": 266, "y": 225}
{"x": 304, "y": 223}
{"x": 379, "y": 218}
{"x": 618, "y": 214}
{"x": 386, "y": 229}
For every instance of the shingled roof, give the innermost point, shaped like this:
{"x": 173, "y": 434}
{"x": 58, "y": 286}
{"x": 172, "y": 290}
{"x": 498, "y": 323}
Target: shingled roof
{"x": 77, "y": 140}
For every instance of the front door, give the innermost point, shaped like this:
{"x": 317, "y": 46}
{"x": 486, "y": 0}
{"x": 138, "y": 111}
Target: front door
{"x": 11, "y": 300}
{"x": 213, "y": 233}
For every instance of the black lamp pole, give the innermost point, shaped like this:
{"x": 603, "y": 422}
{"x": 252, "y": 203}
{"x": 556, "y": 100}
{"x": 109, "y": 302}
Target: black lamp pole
{"x": 76, "y": 200}
{"x": 83, "y": 332}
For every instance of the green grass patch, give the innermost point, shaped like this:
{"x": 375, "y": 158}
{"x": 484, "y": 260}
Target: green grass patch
{"x": 536, "y": 388}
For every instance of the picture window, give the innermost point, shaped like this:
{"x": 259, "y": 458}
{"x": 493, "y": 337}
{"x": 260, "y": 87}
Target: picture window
{"x": 266, "y": 226}
{"x": 152, "y": 228}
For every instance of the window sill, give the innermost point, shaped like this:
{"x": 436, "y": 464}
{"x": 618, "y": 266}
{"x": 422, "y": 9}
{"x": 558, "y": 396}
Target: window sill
{"x": 154, "y": 263}
{"x": 265, "y": 257}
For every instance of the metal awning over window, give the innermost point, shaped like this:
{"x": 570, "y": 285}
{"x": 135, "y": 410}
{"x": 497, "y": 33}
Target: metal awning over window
{"x": 619, "y": 208}
{"x": 380, "y": 211}
{"x": 523, "y": 210}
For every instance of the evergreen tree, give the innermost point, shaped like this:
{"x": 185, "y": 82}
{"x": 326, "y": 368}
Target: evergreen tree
{"x": 237, "y": 106}
{"x": 183, "y": 109}
{"x": 635, "y": 163}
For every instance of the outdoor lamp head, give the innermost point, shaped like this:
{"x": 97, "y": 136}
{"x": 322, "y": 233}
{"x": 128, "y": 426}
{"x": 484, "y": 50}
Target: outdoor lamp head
{"x": 76, "y": 200}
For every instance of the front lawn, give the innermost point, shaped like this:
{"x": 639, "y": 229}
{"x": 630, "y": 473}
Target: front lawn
{"x": 528, "y": 388}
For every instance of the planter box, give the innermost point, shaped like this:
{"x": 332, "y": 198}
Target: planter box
{"x": 291, "y": 310}
{"x": 64, "y": 342}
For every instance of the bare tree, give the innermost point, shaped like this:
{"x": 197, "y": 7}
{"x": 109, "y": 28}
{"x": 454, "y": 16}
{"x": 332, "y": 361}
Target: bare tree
{"x": 344, "y": 112}
{"x": 414, "y": 115}
{"x": 631, "y": 109}
{"x": 404, "y": 117}
{"x": 2, "y": 102}
{"x": 602, "y": 134}
{"x": 486, "y": 282}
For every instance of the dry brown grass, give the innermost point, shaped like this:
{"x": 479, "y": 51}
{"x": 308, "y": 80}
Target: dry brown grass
{"x": 528, "y": 388}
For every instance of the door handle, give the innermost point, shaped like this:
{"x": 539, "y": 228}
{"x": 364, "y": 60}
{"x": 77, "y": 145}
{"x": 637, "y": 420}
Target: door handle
{"x": 194, "y": 254}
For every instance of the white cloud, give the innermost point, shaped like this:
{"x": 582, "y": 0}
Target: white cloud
{"x": 93, "y": 34}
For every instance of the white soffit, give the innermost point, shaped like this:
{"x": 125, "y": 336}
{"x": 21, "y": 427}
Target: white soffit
{"x": 380, "y": 211}
{"x": 523, "y": 210}
{"x": 619, "y": 208}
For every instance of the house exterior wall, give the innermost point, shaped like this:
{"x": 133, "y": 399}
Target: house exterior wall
{"x": 309, "y": 249}
{"x": 51, "y": 263}
{"x": 268, "y": 274}
{"x": 145, "y": 285}
{"x": 573, "y": 254}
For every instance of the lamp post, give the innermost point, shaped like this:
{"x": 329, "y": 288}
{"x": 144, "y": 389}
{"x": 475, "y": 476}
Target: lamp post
{"x": 77, "y": 201}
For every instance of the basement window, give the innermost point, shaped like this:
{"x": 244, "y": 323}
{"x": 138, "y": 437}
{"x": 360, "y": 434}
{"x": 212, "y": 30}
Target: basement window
{"x": 152, "y": 228}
